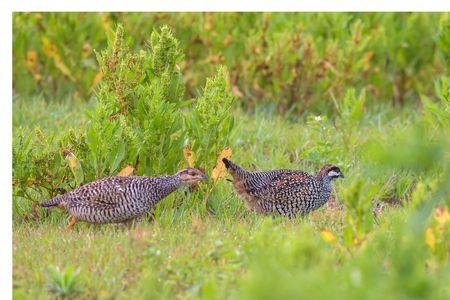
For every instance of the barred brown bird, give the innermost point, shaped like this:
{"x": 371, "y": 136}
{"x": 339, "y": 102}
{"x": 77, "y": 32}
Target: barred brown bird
{"x": 284, "y": 192}
{"x": 120, "y": 199}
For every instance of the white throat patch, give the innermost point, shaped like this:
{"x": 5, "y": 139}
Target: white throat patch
{"x": 333, "y": 173}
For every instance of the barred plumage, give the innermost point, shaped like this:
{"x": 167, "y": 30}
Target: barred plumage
{"x": 283, "y": 192}
{"x": 119, "y": 199}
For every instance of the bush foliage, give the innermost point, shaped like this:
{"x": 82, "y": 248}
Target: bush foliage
{"x": 293, "y": 61}
{"x": 141, "y": 119}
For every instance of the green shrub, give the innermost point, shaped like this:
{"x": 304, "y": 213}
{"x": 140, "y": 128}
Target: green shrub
{"x": 37, "y": 164}
{"x": 211, "y": 121}
{"x": 140, "y": 119}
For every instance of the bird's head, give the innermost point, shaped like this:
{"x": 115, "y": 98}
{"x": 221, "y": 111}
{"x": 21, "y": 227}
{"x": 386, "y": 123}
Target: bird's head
{"x": 191, "y": 176}
{"x": 331, "y": 171}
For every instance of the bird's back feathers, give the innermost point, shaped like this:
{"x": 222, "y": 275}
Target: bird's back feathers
{"x": 116, "y": 198}
{"x": 285, "y": 192}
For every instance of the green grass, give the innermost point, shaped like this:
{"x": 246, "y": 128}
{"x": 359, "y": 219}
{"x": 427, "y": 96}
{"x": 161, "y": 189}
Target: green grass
{"x": 227, "y": 252}
{"x": 49, "y": 115}
{"x": 233, "y": 257}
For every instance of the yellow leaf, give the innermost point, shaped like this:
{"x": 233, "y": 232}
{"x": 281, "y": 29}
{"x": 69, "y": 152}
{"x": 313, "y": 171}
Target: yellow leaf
{"x": 37, "y": 77}
{"x": 327, "y": 235}
{"x": 127, "y": 171}
{"x": 98, "y": 77}
{"x": 75, "y": 166}
{"x": 207, "y": 25}
{"x": 31, "y": 58}
{"x": 87, "y": 49}
{"x": 441, "y": 215}
{"x": 32, "y": 64}
{"x": 237, "y": 92}
{"x": 430, "y": 239}
{"x": 367, "y": 59}
{"x": 189, "y": 156}
{"x": 227, "y": 40}
{"x": 48, "y": 47}
{"x": 220, "y": 171}
{"x": 62, "y": 67}
{"x": 51, "y": 51}
{"x": 105, "y": 21}
{"x": 30, "y": 181}
{"x": 72, "y": 161}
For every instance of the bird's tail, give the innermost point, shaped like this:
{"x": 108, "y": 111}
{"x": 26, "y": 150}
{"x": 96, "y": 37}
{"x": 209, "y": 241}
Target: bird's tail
{"x": 234, "y": 169}
{"x": 52, "y": 202}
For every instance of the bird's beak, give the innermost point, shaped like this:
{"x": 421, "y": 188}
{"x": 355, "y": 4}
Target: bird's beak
{"x": 205, "y": 177}
{"x": 341, "y": 175}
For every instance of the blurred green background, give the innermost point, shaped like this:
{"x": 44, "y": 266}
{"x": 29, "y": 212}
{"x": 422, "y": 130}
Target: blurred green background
{"x": 292, "y": 61}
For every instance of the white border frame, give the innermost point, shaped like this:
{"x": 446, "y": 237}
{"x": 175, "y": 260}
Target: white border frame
{"x": 7, "y": 9}
{"x": 233, "y": 5}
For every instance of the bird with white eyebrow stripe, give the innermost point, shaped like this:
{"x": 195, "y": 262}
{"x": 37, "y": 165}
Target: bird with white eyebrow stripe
{"x": 283, "y": 192}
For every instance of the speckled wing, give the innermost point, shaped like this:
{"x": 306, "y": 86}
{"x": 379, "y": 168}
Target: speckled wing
{"x": 113, "y": 199}
{"x": 284, "y": 186}
{"x": 107, "y": 191}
